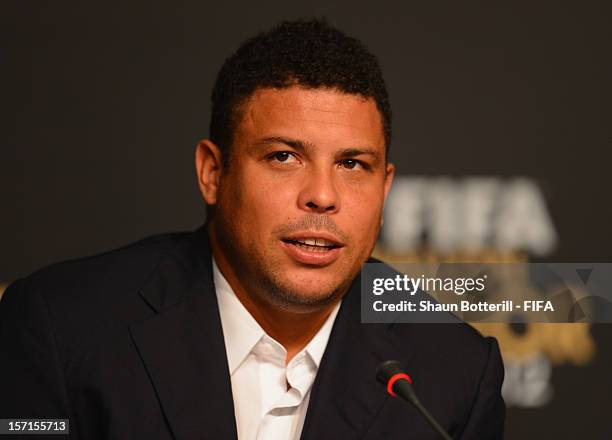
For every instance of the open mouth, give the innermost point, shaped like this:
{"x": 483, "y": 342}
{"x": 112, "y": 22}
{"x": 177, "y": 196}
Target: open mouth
{"x": 312, "y": 249}
{"x": 313, "y": 244}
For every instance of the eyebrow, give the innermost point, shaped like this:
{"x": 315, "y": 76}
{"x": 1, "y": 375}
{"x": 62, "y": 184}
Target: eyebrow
{"x": 352, "y": 152}
{"x": 296, "y": 144}
{"x": 302, "y": 146}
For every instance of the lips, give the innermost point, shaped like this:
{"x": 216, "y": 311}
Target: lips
{"x": 315, "y": 250}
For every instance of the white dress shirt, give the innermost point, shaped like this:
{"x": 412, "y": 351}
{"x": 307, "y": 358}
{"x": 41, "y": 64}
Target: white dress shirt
{"x": 270, "y": 397}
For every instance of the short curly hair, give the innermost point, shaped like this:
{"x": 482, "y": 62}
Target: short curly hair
{"x": 307, "y": 53}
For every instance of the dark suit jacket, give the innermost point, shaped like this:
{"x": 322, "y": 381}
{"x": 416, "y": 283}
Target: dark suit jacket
{"x": 129, "y": 345}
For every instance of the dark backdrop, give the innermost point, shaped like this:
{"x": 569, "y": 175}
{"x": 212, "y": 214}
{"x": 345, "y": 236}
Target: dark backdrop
{"x": 105, "y": 103}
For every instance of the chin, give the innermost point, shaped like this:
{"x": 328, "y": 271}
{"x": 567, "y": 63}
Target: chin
{"x": 306, "y": 294}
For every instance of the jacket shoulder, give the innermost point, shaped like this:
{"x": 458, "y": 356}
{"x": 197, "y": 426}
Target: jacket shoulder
{"x": 105, "y": 280}
{"x": 132, "y": 259}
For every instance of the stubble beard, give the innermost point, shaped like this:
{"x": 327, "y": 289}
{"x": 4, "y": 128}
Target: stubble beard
{"x": 267, "y": 282}
{"x": 279, "y": 292}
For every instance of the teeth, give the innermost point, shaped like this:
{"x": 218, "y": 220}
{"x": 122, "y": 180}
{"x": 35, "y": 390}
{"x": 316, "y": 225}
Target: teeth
{"x": 321, "y": 242}
{"x": 312, "y": 248}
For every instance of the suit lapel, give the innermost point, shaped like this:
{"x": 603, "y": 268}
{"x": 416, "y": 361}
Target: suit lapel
{"x": 182, "y": 346}
{"x": 346, "y": 398}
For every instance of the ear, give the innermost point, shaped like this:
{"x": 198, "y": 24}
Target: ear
{"x": 390, "y": 172}
{"x": 208, "y": 167}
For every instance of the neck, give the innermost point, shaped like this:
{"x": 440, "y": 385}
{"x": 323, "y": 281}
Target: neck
{"x": 293, "y": 330}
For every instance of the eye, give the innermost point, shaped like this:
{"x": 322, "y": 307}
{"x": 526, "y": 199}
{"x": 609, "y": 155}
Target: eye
{"x": 283, "y": 156}
{"x": 351, "y": 164}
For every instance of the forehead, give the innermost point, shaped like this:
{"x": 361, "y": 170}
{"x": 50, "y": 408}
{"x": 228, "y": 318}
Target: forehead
{"x": 321, "y": 115}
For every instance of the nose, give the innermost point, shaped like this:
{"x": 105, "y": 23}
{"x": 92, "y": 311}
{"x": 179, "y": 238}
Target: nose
{"x": 319, "y": 194}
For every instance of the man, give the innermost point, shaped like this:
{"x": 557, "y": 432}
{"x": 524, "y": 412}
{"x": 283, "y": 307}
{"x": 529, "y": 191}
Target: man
{"x": 250, "y": 326}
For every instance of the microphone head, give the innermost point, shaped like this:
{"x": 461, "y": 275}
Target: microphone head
{"x": 392, "y": 375}
{"x": 387, "y": 369}
{"x": 398, "y": 384}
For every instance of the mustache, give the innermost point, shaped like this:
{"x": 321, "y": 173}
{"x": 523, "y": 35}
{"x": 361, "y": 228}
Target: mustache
{"x": 309, "y": 222}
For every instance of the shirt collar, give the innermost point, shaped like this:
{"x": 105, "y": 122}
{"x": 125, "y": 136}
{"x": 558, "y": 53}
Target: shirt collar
{"x": 241, "y": 332}
{"x": 316, "y": 346}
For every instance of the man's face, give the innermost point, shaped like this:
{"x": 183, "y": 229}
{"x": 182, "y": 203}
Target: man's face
{"x": 299, "y": 207}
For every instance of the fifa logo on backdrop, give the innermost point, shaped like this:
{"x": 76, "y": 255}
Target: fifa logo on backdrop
{"x": 491, "y": 220}
{"x": 467, "y": 215}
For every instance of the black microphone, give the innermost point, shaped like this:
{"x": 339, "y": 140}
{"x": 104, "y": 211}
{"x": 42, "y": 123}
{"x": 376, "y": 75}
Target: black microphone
{"x": 398, "y": 383}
